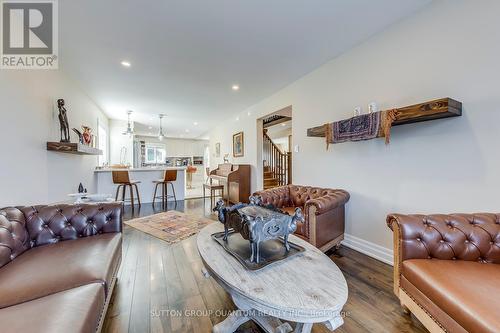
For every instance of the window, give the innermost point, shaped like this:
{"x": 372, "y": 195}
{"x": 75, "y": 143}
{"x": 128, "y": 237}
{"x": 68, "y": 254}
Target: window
{"x": 155, "y": 154}
{"x": 102, "y": 137}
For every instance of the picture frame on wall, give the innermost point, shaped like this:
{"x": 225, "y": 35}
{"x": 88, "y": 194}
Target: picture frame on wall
{"x": 238, "y": 145}
{"x": 217, "y": 149}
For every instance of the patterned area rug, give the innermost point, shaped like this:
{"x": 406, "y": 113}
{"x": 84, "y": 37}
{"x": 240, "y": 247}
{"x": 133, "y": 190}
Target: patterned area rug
{"x": 171, "y": 226}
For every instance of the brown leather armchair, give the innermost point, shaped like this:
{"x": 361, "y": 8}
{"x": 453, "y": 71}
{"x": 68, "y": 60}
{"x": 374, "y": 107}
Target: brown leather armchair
{"x": 324, "y": 212}
{"x": 58, "y": 266}
{"x": 446, "y": 270}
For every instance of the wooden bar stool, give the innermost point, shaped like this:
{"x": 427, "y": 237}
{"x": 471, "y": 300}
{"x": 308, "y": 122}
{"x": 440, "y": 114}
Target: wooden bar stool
{"x": 122, "y": 179}
{"x": 169, "y": 177}
{"x": 213, "y": 193}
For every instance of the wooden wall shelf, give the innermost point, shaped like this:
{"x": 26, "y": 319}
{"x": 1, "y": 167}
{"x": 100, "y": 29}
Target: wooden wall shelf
{"x": 437, "y": 109}
{"x": 73, "y": 148}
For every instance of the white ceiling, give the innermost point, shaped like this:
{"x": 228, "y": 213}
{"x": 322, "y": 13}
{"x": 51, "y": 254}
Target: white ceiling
{"x": 186, "y": 54}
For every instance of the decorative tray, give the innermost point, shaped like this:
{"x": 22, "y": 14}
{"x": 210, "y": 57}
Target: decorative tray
{"x": 270, "y": 251}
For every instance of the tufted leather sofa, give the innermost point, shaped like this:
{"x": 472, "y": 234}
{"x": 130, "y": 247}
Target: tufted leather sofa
{"x": 324, "y": 212}
{"x": 58, "y": 266}
{"x": 447, "y": 270}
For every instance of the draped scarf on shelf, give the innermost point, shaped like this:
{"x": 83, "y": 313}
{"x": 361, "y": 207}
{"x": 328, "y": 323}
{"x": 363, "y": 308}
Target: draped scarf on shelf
{"x": 363, "y": 127}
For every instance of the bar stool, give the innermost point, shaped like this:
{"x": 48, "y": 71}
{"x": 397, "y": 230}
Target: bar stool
{"x": 122, "y": 179}
{"x": 169, "y": 177}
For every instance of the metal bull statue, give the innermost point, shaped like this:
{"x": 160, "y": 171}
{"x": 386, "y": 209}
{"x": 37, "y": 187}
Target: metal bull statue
{"x": 257, "y": 223}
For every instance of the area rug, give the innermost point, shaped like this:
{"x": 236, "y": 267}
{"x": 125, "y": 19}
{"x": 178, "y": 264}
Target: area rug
{"x": 172, "y": 226}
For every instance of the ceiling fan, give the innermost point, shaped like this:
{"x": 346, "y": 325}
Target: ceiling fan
{"x": 130, "y": 130}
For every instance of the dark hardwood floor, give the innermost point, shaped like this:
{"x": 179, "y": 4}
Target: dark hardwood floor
{"x": 161, "y": 288}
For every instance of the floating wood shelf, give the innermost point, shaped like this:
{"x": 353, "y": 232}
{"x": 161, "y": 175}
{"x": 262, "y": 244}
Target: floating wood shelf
{"x": 73, "y": 148}
{"x": 437, "y": 109}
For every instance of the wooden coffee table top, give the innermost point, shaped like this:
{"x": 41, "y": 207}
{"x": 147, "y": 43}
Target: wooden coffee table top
{"x": 306, "y": 288}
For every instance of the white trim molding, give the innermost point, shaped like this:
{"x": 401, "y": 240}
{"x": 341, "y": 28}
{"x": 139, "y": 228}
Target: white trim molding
{"x": 370, "y": 249}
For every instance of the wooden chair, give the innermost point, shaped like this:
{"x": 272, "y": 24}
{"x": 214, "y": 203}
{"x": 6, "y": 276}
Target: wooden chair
{"x": 213, "y": 193}
{"x": 122, "y": 179}
{"x": 169, "y": 177}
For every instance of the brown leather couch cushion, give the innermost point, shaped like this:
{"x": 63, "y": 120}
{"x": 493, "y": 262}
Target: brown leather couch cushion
{"x": 471, "y": 237}
{"x": 14, "y": 238}
{"x": 76, "y": 310}
{"x": 48, "y": 269}
{"x": 323, "y": 199}
{"x": 51, "y": 224}
{"x": 467, "y": 291}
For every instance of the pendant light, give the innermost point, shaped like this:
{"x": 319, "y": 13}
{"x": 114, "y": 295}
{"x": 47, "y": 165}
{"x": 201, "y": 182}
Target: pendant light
{"x": 160, "y": 134}
{"x": 129, "y": 130}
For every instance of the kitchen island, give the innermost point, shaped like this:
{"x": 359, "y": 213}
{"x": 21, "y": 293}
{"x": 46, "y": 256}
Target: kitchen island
{"x": 146, "y": 188}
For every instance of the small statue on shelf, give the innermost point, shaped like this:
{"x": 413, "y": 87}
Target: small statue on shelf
{"x": 63, "y": 121}
{"x": 80, "y": 136}
{"x": 87, "y": 135}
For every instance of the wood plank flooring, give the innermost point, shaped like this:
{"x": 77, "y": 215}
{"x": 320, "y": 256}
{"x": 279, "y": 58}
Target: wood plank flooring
{"x": 161, "y": 288}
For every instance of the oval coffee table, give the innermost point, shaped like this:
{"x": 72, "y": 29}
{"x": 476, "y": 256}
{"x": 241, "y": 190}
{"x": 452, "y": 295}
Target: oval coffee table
{"x": 307, "y": 288}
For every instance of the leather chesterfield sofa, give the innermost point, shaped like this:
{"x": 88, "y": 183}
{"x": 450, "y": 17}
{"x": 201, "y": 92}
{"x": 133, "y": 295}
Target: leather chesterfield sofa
{"x": 324, "y": 212}
{"x": 58, "y": 266}
{"x": 447, "y": 270}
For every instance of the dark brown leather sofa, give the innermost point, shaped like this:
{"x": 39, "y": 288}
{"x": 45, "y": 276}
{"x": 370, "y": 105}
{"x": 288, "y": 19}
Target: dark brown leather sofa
{"x": 324, "y": 212}
{"x": 446, "y": 270}
{"x": 58, "y": 266}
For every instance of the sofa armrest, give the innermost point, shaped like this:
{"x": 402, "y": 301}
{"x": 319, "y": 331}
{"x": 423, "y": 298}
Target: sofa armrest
{"x": 50, "y": 224}
{"x": 334, "y": 199}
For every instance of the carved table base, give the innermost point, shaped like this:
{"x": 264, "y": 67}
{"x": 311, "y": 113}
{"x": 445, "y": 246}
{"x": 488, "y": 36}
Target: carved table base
{"x": 268, "y": 323}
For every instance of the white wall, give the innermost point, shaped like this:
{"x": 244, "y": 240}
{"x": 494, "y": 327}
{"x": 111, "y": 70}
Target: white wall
{"x": 118, "y": 141}
{"x": 29, "y": 174}
{"x": 452, "y": 48}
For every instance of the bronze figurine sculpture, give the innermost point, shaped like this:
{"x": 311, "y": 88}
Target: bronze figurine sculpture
{"x": 63, "y": 121}
{"x": 257, "y": 223}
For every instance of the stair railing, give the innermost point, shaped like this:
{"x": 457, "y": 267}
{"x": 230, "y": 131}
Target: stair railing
{"x": 279, "y": 163}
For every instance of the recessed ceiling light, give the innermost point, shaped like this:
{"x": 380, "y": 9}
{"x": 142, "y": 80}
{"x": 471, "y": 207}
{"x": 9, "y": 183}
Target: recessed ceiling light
{"x": 187, "y": 131}
{"x": 150, "y": 127}
{"x": 195, "y": 123}
{"x": 235, "y": 87}
{"x": 237, "y": 118}
{"x": 283, "y": 124}
{"x": 126, "y": 63}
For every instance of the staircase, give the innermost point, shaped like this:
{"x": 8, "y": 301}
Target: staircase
{"x": 277, "y": 165}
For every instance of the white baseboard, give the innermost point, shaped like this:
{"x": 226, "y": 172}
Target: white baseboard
{"x": 370, "y": 249}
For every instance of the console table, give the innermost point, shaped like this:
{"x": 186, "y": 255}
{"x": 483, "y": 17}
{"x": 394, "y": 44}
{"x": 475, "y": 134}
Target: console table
{"x": 308, "y": 288}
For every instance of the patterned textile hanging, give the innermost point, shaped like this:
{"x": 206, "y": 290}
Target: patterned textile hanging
{"x": 364, "y": 127}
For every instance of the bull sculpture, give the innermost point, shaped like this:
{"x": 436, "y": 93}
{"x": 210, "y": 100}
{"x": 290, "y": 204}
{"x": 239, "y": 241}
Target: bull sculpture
{"x": 257, "y": 223}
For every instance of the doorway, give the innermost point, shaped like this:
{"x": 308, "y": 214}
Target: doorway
{"x": 275, "y": 148}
